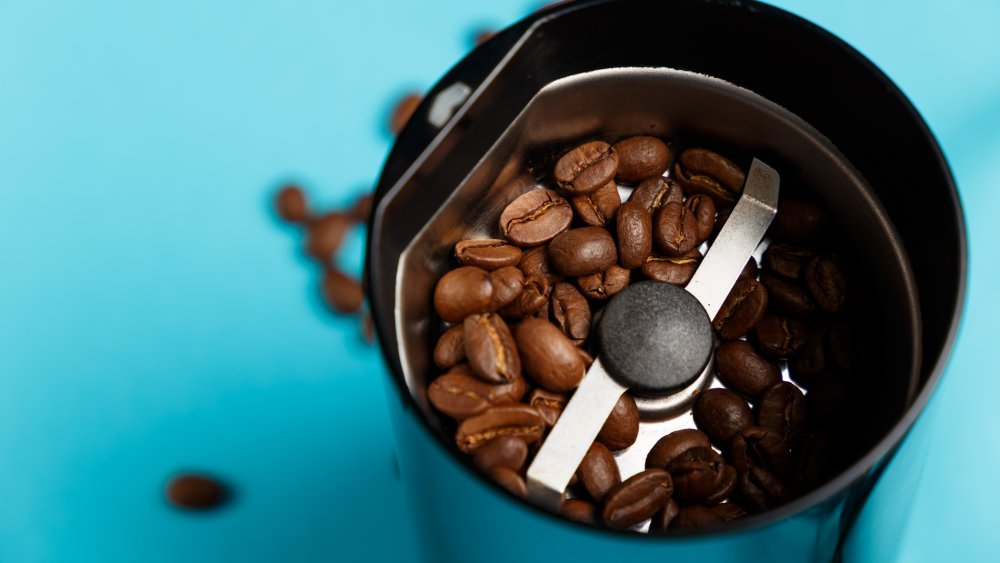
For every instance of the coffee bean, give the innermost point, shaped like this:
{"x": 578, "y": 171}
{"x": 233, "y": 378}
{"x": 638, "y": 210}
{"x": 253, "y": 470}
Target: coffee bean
{"x": 696, "y": 517}
{"x": 549, "y": 404}
{"x": 570, "y": 311}
{"x": 507, "y": 285}
{"x": 742, "y": 309}
{"x": 799, "y": 221}
{"x": 786, "y": 260}
{"x": 606, "y": 284}
{"x": 579, "y": 511}
{"x": 767, "y": 448}
{"x": 403, "y": 111}
{"x": 703, "y": 209}
{"x": 490, "y": 348}
{"x": 730, "y": 511}
{"x": 535, "y": 261}
{"x": 462, "y": 292}
{"x": 636, "y": 499}
{"x": 641, "y": 157}
{"x": 743, "y": 370}
{"x": 634, "y": 227}
{"x": 726, "y": 486}
{"x": 674, "y": 444}
{"x": 583, "y": 251}
{"x": 782, "y": 409}
{"x": 510, "y": 480}
{"x": 598, "y": 208}
{"x": 664, "y": 518}
{"x": 675, "y": 230}
{"x": 654, "y": 192}
{"x": 196, "y": 492}
{"x": 598, "y": 471}
{"x": 780, "y": 337}
{"x": 810, "y": 362}
{"x": 341, "y": 293}
{"x": 488, "y": 254}
{"x": 787, "y": 297}
{"x": 721, "y": 216}
{"x": 535, "y": 217}
{"x": 450, "y": 348}
{"x": 721, "y": 414}
{"x": 291, "y": 205}
{"x": 760, "y": 490}
{"x": 549, "y": 357}
{"x": 677, "y": 270}
{"x": 326, "y": 234}
{"x": 460, "y": 395}
{"x": 621, "y": 428}
{"x": 520, "y": 421}
{"x": 697, "y": 473}
{"x": 534, "y": 297}
{"x": 503, "y": 451}
{"x": 586, "y": 168}
{"x": 701, "y": 171}
{"x": 588, "y": 360}
{"x": 824, "y": 276}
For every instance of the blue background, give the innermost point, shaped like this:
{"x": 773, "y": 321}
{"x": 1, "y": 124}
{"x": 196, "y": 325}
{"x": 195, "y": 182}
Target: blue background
{"x": 156, "y": 317}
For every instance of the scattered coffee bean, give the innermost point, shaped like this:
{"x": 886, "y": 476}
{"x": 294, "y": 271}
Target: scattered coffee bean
{"x": 743, "y": 370}
{"x": 742, "y": 309}
{"x": 702, "y": 208}
{"x": 535, "y": 217}
{"x": 462, "y": 292}
{"x": 583, "y": 251}
{"x": 598, "y": 471}
{"x": 509, "y": 480}
{"x": 637, "y": 499}
{"x": 634, "y": 227}
{"x": 586, "y": 168}
{"x": 674, "y": 444}
{"x": 460, "y": 395}
{"x": 507, "y": 285}
{"x": 598, "y": 208}
{"x": 787, "y": 297}
{"x": 291, "y": 205}
{"x": 196, "y": 492}
{"x": 677, "y": 270}
{"x": 533, "y": 298}
{"x": 786, "y": 260}
{"x": 490, "y": 348}
{"x": 502, "y": 451}
{"x": 782, "y": 409}
{"x": 604, "y": 285}
{"x": 641, "y": 157}
{"x": 535, "y": 261}
{"x": 549, "y": 357}
{"x": 721, "y": 414}
{"x": 570, "y": 311}
{"x": 652, "y": 193}
{"x": 488, "y": 254}
{"x": 579, "y": 511}
{"x": 549, "y": 404}
{"x": 403, "y": 111}
{"x": 675, "y": 230}
{"x": 780, "y": 337}
{"x": 520, "y": 421}
{"x": 621, "y": 428}
{"x": 342, "y": 293}
{"x": 325, "y": 236}
{"x": 697, "y": 473}
{"x": 696, "y": 517}
{"x": 824, "y": 276}
{"x": 701, "y": 171}
{"x": 450, "y": 348}
{"x": 799, "y": 221}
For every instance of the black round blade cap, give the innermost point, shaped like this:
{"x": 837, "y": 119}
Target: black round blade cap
{"x": 654, "y": 337}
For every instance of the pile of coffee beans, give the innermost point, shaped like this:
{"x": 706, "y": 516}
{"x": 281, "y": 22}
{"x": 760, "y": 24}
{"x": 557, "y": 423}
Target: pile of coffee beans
{"x": 516, "y": 314}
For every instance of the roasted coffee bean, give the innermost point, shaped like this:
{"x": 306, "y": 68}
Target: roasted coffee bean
{"x": 535, "y": 217}
{"x": 641, "y": 157}
{"x": 342, "y": 293}
{"x": 742, "y": 309}
{"x": 503, "y": 451}
{"x": 743, "y": 370}
{"x": 782, "y": 409}
{"x": 535, "y": 261}
{"x": 787, "y": 297}
{"x": 583, "y": 251}
{"x": 507, "y": 285}
{"x": 696, "y": 517}
{"x": 824, "y": 276}
{"x": 677, "y": 270}
{"x": 450, "y": 348}
{"x": 291, "y": 205}
{"x": 767, "y": 448}
{"x": 549, "y": 404}
{"x": 799, "y": 221}
{"x": 697, "y": 473}
{"x": 533, "y": 298}
{"x": 730, "y": 511}
{"x": 403, "y": 111}
{"x": 488, "y": 254}
{"x": 490, "y": 348}
{"x": 598, "y": 208}
{"x": 786, "y": 260}
{"x": 703, "y": 209}
{"x": 652, "y": 193}
{"x": 510, "y": 480}
{"x": 663, "y": 519}
{"x": 570, "y": 311}
{"x": 462, "y": 292}
{"x": 780, "y": 337}
{"x": 460, "y": 395}
{"x": 549, "y": 357}
{"x": 586, "y": 168}
{"x": 810, "y": 362}
{"x": 604, "y": 285}
{"x": 579, "y": 511}
{"x": 362, "y": 208}
{"x": 598, "y": 471}
{"x": 196, "y": 492}
{"x": 634, "y": 227}
{"x": 588, "y": 360}
{"x": 702, "y": 171}
{"x": 760, "y": 490}
{"x": 621, "y": 428}
{"x": 326, "y": 234}
{"x": 675, "y": 230}
{"x": 636, "y": 499}
{"x": 750, "y": 270}
{"x": 721, "y": 414}
{"x": 674, "y": 444}
{"x": 520, "y": 421}
{"x": 726, "y": 487}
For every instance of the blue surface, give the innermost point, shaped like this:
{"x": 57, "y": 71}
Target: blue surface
{"x": 154, "y": 316}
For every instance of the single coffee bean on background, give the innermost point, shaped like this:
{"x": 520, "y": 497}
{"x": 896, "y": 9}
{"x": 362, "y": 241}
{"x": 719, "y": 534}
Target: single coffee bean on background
{"x": 325, "y": 235}
{"x": 549, "y": 404}
{"x": 742, "y": 309}
{"x": 621, "y": 428}
{"x": 782, "y": 409}
{"x": 661, "y": 520}
{"x": 598, "y": 208}
{"x": 583, "y": 251}
{"x": 510, "y": 480}
{"x": 674, "y": 444}
{"x": 703, "y": 210}
{"x": 291, "y": 205}
{"x": 787, "y": 297}
{"x": 721, "y": 414}
{"x": 503, "y": 451}
{"x": 460, "y": 395}
{"x": 824, "y": 276}
{"x": 697, "y": 517}
{"x": 702, "y": 171}
{"x": 676, "y": 270}
{"x": 675, "y": 230}
{"x": 549, "y": 357}
{"x": 799, "y": 221}
{"x": 535, "y": 261}
{"x": 697, "y": 473}
{"x": 606, "y": 284}
{"x": 586, "y": 168}
{"x": 634, "y": 227}
{"x": 786, "y": 260}
{"x": 507, "y": 285}
{"x": 743, "y": 370}
{"x": 534, "y": 296}
{"x": 462, "y": 292}
{"x": 654, "y": 192}
{"x": 535, "y": 217}
{"x": 450, "y": 348}
{"x": 637, "y": 499}
{"x": 403, "y": 111}
{"x": 598, "y": 471}
{"x": 490, "y": 348}
{"x": 641, "y": 157}
{"x": 488, "y": 254}
{"x": 579, "y": 511}
{"x": 780, "y": 337}
{"x": 192, "y": 491}
{"x": 570, "y": 311}
{"x": 342, "y": 293}
{"x": 519, "y": 421}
